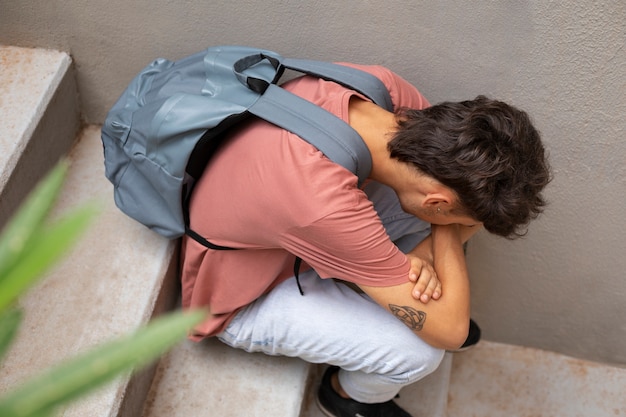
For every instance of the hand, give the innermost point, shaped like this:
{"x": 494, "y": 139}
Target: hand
{"x": 423, "y": 274}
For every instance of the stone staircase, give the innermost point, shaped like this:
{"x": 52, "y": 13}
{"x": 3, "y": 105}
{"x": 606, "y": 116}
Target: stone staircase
{"x": 121, "y": 275}
{"x": 117, "y": 278}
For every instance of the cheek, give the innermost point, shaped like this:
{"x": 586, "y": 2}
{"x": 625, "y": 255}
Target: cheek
{"x": 425, "y": 214}
{"x": 418, "y": 212}
{"x": 409, "y": 206}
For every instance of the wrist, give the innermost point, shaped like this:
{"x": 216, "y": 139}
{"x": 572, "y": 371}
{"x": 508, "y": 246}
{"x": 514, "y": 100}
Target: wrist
{"x": 446, "y": 238}
{"x": 450, "y": 230}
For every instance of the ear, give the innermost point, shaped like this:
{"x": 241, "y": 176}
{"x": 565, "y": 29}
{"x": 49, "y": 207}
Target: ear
{"x": 440, "y": 198}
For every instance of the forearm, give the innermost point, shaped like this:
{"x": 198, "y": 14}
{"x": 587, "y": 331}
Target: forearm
{"x": 442, "y": 323}
{"x": 447, "y": 318}
{"x": 449, "y": 263}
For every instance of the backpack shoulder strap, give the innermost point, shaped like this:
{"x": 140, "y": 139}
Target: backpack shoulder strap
{"x": 352, "y": 78}
{"x": 332, "y": 136}
{"x": 328, "y": 133}
{"x": 260, "y": 70}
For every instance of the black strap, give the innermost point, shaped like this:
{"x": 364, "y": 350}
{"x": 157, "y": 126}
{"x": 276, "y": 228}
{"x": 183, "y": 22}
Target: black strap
{"x": 187, "y": 189}
{"x": 201, "y": 240}
{"x": 296, "y": 273}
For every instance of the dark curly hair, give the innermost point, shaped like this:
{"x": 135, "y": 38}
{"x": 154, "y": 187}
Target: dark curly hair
{"x": 486, "y": 151}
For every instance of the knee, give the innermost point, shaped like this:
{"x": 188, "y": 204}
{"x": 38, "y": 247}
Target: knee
{"x": 429, "y": 362}
{"x": 417, "y": 363}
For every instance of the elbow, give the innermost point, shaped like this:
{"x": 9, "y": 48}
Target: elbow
{"x": 458, "y": 335}
{"x": 453, "y": 337}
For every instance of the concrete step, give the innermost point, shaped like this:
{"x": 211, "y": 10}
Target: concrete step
{"x": 118, "y": 277}
{"x": 211, "y": 379}
{"x": 428, "y": 397}
{"x": 39, "y": 118}
{"x": 495, "y": 379}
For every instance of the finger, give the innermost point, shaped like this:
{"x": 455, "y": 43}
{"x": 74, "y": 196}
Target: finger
{"x": 418, "y": 289}
{"x": 437, "y": 292}
{"x": 430, "y": 289}
{"x": 421, "y": 284}
{"x": 416, "y": 269}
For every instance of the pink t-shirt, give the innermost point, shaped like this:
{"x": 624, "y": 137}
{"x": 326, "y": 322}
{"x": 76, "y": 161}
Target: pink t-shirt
{"x": 275, "y": 196}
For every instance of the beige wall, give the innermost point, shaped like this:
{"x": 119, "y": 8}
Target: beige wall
{"x": 563, "y": 287}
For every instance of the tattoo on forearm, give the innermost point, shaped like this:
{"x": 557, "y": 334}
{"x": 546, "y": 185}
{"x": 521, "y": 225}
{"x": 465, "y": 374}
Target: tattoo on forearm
{"x": 413, "y": 318}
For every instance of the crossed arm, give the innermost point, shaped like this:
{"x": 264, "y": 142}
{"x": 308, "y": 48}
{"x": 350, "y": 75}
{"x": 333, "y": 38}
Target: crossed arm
{"x": 442, "y": 322}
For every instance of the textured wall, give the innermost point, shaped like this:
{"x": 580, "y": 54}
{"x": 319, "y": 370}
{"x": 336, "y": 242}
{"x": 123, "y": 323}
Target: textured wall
{"x": 562, "y": 287}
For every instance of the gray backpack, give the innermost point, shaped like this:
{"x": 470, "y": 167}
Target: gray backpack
{"x": 160, "y": 134}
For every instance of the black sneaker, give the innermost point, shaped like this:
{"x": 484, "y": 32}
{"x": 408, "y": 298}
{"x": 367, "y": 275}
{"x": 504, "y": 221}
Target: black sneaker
{"x": 333, "y": 405}
{"x": 473, "y": 337}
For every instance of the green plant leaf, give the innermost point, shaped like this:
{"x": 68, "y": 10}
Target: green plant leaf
{"x": 43, "y": 251}
{"x": 90, "y": 370}
{"x": 23, "y": 226}
{"x": 9, "y": 322}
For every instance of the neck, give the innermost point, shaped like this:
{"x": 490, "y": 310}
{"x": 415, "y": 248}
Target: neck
{"x": 375, "y": 125}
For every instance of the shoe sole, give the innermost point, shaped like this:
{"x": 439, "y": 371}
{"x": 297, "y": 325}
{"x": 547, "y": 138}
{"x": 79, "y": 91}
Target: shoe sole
{"x": 462, "y": 349}
{"x": 322, "y": 408}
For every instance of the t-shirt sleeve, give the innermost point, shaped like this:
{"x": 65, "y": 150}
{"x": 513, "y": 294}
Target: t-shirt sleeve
{"x": 350, "y": 244}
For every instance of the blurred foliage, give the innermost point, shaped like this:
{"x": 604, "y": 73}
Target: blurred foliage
{"x": 29, "y": 246}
